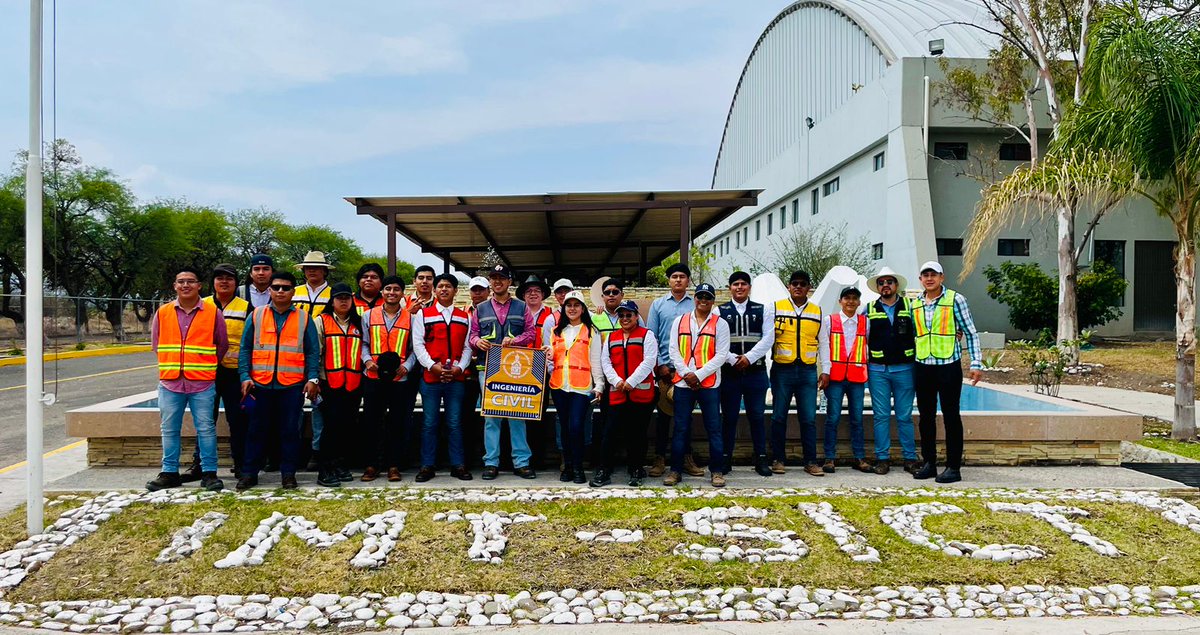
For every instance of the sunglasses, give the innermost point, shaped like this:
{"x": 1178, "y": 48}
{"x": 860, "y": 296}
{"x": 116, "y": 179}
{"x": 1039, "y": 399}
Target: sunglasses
{"x": 799, "y": 283}
{"x": 889, "y": 283}
{"x": 282, "y": 287}
{"x": 626, "y": 316}
{"x": 612, "y": 292}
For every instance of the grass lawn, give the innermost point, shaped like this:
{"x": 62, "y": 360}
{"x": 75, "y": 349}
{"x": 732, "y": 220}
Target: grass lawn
{"x": 1188, "y": 449}
{"x": 118, "y": 560}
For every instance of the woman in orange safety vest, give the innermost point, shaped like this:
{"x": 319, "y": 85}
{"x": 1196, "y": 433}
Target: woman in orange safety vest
{"x": 576, "y": 380}
{"x": 341, "y": 379}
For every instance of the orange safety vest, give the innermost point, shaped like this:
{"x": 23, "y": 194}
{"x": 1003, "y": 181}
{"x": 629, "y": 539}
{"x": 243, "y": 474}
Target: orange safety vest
{"x": 195, "y": 359}
{"x": 342, "y": 357}
{"x": 698, "y": 353}
{"x": 444, "y": 341}
{"x": 854, "y": 368}
{"x": 539, "y": 321}
{"x": 278, "y": 353}
{"x": 626, "y": 353}
{"x": 362, "y": 306}
{"x": 385, "y": 340}
{"x": 572, "y": 366}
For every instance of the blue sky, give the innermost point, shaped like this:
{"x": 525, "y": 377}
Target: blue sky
{"x": 294, "y": 105}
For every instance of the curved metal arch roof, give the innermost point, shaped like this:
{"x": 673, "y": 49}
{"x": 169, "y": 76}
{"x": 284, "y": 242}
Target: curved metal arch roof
{"x": 898, "y": 28}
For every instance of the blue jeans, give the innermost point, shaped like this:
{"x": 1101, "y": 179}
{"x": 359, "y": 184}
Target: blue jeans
{"x": 710, "y": 411}
{"x": 318, "y": 424}
{"x": 574, "y": 415}
{"x": 448, "y": 396}
{"x": 797, "y": 381}
{"x": 275, "y": 409}
{"x": 516, "y": 438}
{"x": 833, "y": 414}
{"x": 892, "y": 389}
{"x": 171, "y": 406}
{"x": 738, "y": 388}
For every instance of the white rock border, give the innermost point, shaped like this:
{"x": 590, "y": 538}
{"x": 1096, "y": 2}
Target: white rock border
{"x": 850, "y": 540}
{"x": 611, "y": 535}
{"x": 188, "y": 540}
{"x": 490, "y": 537}
{"x": 711, "y": 521}
{"x": 906, "y": 521}
{"x": 1059, "y": 516}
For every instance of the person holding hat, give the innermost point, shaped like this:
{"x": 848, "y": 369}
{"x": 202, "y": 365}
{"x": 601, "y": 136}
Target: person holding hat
{"x": 389, "y": 394}
{"x": 576, "y": 380}
{"x": 744, "y": 374}
{"x": 370, "y": 283}
{"x": 257, "y": 290}
{"x": 843, "y": 338}
{"x": 942, "y": 320}
{"x": 422, "y": 296}
{"x": 279, "y": 364}
{"x": 341, "y": 333}
{"x": 440, "y": 345}
{"x": 229, "y": 385}
{"x": 313, "y": 296}
{"x": 628, "y": 359}
{"x": 502, "y": 321}
{"x": 188, "y": 336}
{"x": 891, "y": 347}
{"x": 698, "y": 347}
{"x": 794, "y": 372}
{"x": 663, "y": 313}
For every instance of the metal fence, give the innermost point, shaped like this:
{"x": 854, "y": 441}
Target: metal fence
{"x": 78, "y": 319}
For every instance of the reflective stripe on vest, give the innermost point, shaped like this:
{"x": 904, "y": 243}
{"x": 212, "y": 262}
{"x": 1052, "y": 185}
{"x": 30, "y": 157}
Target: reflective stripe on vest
{"x": 572, "y": 365}
{"x": 342, "y": 357}
{"x": 936, "y": 340}
{"x": 385, "y": 340}
{"x": 312, "y": 306}
{"x": 193, "y": 358}
{"x": 698, "y": 352}
{"x": 796, "y": 335}
{"x": 444, "y": 341}
{"x": 626, "y": 352}
{"x": 903, "y": 311}
{"x": 235, "y": 314}
{"x": 278, "y": 353}
{"x": 605, "y": 324}
{"x": 854, "y": 367}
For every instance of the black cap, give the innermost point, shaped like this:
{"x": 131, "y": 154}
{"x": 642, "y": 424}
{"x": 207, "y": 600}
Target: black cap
{"x": 262, "y": 259}
{"x": 850, "y": 291}
{"x": 707, "y": 289}
{"x": 340, "y": 288}
{"x": 739, "y": 275}
{"x": 224, "y": 269}
{"x": 500, "y": 270}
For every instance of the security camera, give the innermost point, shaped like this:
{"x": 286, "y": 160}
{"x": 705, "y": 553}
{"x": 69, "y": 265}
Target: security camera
{"x": 937, "y": 47}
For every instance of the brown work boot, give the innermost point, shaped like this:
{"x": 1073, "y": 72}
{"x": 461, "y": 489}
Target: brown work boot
{"x": 393, "y": 474}
{"x": 813, "y": 470}
{"x": 690, "y": 468}
{"x": 882, "y": 467}
{"x": 718, "y": 479}
{"x": 369, "y": 474}
{"x": 672, "y": 479}
{"x": 862, "y": 466}
{"x": 828, "y": 468}
{"x": 778, "y": 467}
{"x": 659, "y": 468}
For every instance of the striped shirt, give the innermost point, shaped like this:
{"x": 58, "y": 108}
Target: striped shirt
{"x": 962, "y": 323}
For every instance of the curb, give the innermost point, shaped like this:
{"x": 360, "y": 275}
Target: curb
{"x": 102, "y": 352}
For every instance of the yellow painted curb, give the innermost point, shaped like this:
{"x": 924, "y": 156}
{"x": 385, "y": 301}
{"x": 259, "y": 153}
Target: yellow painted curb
{"x": 99, "y": 352}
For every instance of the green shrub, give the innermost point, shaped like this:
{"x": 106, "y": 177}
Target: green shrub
{"x": 1031, "y": 295}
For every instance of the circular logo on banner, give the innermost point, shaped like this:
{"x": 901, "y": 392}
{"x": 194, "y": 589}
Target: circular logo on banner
{"x": 515, "y": 364}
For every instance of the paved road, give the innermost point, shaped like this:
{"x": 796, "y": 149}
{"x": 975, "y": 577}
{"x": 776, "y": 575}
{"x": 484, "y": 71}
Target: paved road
{"x": 82, "y": 382}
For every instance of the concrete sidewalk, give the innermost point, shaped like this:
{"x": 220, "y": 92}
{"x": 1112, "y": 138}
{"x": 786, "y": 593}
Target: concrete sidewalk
{"x": 1147, "y": 404}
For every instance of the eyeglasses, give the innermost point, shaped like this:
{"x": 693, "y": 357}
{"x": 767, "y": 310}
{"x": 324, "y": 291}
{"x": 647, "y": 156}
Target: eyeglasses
{"x": 612, "y": 292}
{"x": 281, "y": 287}
{"x": 626, "y": 316}
{"x": 184, "y": 283}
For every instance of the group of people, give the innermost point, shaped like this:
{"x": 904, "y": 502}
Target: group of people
{"x": 360, "y": 357}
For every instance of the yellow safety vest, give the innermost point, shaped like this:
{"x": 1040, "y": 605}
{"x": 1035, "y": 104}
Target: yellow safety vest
{"x": 235, "y": 323}
{"x": 312, "y": 306}
{"x": 936, "y": 339}
{"x": 796, "y": 335}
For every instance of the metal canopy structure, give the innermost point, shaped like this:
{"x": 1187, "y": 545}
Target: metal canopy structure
{"x": 579, "y": 235}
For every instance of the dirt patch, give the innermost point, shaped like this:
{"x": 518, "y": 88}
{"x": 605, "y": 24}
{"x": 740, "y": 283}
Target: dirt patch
{"x": 1141, "y": 366}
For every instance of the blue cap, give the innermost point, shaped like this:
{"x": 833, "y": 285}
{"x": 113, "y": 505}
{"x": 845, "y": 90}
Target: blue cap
{"x": 706, "y": 288}
{"x": 628, "y": 305}
{"x": 262, "y": 259}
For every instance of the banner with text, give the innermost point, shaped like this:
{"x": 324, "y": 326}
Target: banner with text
{"x": 514, "y": 382}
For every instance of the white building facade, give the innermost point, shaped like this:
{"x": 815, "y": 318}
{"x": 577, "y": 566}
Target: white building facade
{"x": 829, "y": 120}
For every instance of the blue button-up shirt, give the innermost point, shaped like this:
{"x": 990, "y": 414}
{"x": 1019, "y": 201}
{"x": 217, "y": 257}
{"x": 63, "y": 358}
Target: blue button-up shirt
{"x": 663, "y": 312}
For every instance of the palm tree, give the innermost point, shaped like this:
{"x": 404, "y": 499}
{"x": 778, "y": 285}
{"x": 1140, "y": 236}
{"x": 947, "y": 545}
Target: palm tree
{"x": 1142, "y": 100}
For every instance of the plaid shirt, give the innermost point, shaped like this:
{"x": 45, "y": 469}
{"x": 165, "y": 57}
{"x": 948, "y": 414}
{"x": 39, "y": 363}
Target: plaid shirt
{"x": 964, "y": 325}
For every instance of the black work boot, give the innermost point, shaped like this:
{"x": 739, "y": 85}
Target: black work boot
{"x": 762, "y": 466}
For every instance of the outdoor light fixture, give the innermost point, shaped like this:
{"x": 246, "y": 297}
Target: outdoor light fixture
{"x": 937, "y": 47}
{"x": 808, "y": 122}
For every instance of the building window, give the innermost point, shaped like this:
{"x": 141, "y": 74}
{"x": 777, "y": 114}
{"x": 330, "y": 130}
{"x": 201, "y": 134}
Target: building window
{"x": 1015, "y": 152}
{"x": 831, "y": 186}
{"x": 949, "y": 246}
{"x": 1012, "y": 247}
{"x": 745, "y": 236}
{"x": 758, "y": 230}
{"x": 950, "y": 150}
{"x": 878, "y": 161}
{"x": 1111, "y": 252}
{"x": 795, "y": 211}
{"x": 770, "y": 224}
{"x": 877, "y": 251}
{"x": 727, "y": 245}
{"x": 783, "y": 217}
{"x": 816, "y": 200}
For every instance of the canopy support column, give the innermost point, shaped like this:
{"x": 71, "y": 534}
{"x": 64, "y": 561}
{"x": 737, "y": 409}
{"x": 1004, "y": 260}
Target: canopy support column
{"x": 685, "y": 232}
{"x": 391, "y": 255}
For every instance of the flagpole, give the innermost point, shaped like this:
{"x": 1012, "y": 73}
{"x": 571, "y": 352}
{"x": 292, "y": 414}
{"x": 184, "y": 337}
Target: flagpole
{"x": 34, "y": 521}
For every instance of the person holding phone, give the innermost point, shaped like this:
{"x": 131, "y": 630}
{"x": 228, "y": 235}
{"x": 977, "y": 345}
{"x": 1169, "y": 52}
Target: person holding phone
{"x": 576, "y": 379}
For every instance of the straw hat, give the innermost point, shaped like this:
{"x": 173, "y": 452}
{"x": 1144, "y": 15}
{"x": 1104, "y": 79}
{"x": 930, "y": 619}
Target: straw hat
{"x": 901, "y": 282}
{"x": 315, "y": 259}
